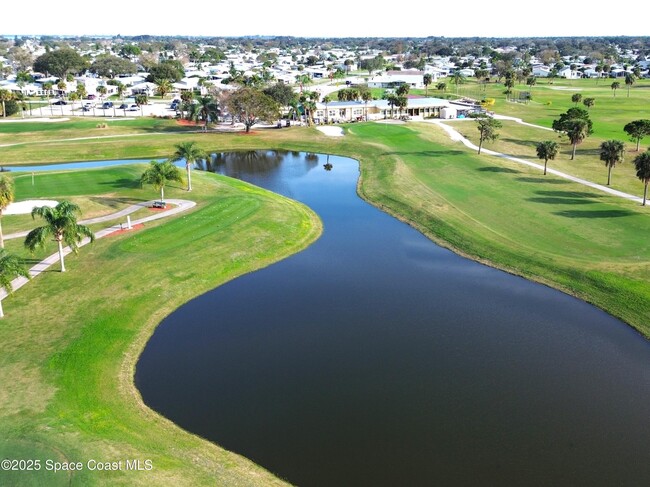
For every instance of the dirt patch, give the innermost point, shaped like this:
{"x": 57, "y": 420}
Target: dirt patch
{"x": 126, "y": 230}
{"x": 186, "y": 123}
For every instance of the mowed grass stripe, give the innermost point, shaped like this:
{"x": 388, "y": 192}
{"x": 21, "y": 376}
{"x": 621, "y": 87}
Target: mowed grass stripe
{"x": 81, "y": 354}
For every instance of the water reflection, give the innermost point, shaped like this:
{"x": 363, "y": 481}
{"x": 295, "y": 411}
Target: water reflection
{"x": 376, "y": 358}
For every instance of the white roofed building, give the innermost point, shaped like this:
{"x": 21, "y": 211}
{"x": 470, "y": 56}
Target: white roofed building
{"x": 393, "y": 79}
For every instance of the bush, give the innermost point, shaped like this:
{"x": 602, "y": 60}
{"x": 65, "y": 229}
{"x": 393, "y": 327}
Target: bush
{"x": 102, "y": 125}
{"x": 12, "y": 107}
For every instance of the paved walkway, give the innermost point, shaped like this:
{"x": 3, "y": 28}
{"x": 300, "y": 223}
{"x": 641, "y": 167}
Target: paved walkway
{"x": 457, "y": 136}
{"x": 180, "y": 206}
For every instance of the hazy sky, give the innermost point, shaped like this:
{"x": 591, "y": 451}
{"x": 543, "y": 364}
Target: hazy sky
{"x": 496, "y": 18}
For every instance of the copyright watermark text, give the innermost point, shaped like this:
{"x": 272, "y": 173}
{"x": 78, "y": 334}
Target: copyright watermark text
{"x": 30, "y": 465}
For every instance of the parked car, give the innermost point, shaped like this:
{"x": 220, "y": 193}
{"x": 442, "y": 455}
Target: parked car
{"x": 107, "y": 104}
{"x": 60, "y": 102}
{"x": 124, "y": 106}
{"x": 159, "y": 204}
{"x": 91, "y": 97}
{"x": 133, "y": 108}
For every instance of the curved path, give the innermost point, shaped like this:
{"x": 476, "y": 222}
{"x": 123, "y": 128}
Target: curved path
{"x": 457, "y": 136}
{"x": 181, "y": 205}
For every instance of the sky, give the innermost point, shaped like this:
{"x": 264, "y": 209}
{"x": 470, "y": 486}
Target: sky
{"x": 305, "y": 18}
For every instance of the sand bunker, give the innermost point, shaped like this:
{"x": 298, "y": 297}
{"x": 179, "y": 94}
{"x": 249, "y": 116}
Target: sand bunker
{"x": 25, "y": 207}
{"x": 331, "y": 131}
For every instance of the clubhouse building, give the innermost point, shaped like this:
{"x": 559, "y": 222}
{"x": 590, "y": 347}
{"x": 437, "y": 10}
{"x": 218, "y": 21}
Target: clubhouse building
{"x": 416, "y": 109}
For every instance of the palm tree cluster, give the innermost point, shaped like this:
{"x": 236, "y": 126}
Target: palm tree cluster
{"x": 576, "y": 125}
{"x": 61, "y": 225}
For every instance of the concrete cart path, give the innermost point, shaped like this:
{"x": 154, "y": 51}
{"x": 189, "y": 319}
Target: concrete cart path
{"x": 89, "y": 221}
{"x": 180, "y": 206}
{"x": 457, "y": 136}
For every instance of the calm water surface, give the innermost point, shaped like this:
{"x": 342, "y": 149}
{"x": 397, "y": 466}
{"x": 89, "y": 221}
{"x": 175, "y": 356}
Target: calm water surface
{"x": 377, "y": 358}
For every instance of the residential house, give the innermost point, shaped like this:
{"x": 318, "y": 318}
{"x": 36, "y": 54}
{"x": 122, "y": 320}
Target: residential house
{"x": 394, "y": 79}
{"x": 569, "y": 73}
{"x": 541, "y": 71}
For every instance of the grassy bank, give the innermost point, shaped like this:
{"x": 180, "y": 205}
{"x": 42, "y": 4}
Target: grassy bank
{"x": 545, "y": 228}
{"x": 70, "y": 341}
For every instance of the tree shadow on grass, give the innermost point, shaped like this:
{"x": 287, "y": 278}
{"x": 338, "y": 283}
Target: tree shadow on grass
{"x": 569, "y": 194}
{"x": 523, "y": 143}
{"x": 123, "y": 183}
{"x": 498, "y": 169}
{"x": 595, "y": 213}
{"x": 550, "y": 180}
{"x": 427, "y": 153}
{"x": 561, "y": 201}
{"x": 116, "y": 202}
{"x": 565, "y": 197}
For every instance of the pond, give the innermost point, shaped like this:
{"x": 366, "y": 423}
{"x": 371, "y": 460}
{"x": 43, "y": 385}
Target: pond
{"x": 376, "y": 357}
{"x": 77, "y": 165}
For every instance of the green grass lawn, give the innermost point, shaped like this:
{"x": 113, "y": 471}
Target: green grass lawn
{"x": 69, "y": 342}
{"x": 30, "y": 132}
{"x": 545, "y": 228}
{"x": 519, "y": 140}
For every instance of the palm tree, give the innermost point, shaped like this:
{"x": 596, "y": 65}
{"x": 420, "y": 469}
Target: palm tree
{"x": 102, "y": 90}
{"x": 531, "y": 81}
{"x": 366, "y": 96}
{"x": 612, "y": 153}
{"x": 599, "y": 70}
{"x": 458, "y": 79}
{"x": 61, "y": 86}
{"x": 427, "y": 80}
{"x": 11, "y": 267}
{"x": 5, "y": 95}
{"x": 576, "y": 98}
{"x": 615, "y": 86}
{"x": 642, "y": 165}
{"x": 326, "y": 100}
{"x": 546, "y": 150}
{"x": 589, "y": 102}
{"x": 302, "y": 80}
{"x": 630, "y": 79}
{"x": 191, "y": 153}
{"x": 442, "y": 86}
{"x": 81, "y": 91}
{"x": 205, "y": 109}
{"x": 164, "y": 86}
{"x": 73, "y": 97}
{"x": 158, "y": 174}
{"x": 509, "y": 83}
{"x": 141, "y": 100}
{"x": 121, "y": 89}
{"x": 577, "y": 131}
{"x": 308, "y": 101}
{"x": 6, "y": 198}
{"x": 61, "y": 224}
{"x": 392, "y": 100}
